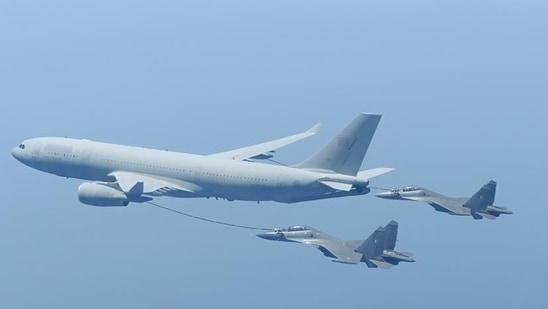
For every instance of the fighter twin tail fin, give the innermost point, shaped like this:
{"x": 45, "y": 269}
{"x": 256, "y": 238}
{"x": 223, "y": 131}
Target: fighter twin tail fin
{"x": 483, "y": 198}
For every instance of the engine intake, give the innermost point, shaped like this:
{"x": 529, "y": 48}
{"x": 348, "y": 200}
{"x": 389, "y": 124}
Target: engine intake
{"x": 97, "y": 194}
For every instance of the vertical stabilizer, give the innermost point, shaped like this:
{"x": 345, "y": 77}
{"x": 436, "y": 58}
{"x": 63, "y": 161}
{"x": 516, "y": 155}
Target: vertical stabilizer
{"x": 483, "y": 198}
{"x": 391, "y": 235}
{"x": 374, "y": 245}
{"x": 344, "y": 154}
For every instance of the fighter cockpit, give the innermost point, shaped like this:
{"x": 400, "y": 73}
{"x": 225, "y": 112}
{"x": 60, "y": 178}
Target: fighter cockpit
{"x": 410, "y": 189}
{"x": 297, "y": 228}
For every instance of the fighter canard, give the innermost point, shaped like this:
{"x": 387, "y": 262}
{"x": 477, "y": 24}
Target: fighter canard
{"x": 123, "y": 174}
{"x": 376, "y": 251}
{"x": 479, "y": 206}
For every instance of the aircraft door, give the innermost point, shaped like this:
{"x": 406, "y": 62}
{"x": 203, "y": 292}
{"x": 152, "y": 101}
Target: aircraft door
{"x": 282, "y": 181}
{"x": 35, "y": 153}
{"x": 283, "y": 188}
{"x": 86, "y": 155}
{"x": 197, "y": 174}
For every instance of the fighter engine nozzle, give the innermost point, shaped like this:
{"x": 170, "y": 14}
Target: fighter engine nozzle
{"x": 403, "y": 257}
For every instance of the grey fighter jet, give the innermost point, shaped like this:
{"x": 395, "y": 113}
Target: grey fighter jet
{"x": 479, "y": 206}
{"x": 376, "y": 251}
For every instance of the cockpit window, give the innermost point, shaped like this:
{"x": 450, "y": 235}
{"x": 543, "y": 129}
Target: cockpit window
{"x": 297, "y": 228}
{"x": 22, "y": 146}
{"x": 409, "y": 189}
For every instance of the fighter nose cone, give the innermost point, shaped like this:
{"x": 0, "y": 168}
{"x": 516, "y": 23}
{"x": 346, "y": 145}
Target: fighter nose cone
{"x": 271, "y": 236}
{"x": 387, "y": 194}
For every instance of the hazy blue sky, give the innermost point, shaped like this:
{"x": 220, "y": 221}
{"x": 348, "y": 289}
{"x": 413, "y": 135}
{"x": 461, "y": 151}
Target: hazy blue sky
{"x": 462, "y": 85}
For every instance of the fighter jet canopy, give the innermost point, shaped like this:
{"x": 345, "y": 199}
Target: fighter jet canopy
{"x": 410, "y": 189}
{"x": 297, "y": 228}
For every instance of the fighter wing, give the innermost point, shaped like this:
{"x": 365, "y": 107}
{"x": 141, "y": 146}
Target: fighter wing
{"x": 453, "y": 206}
{"x": 137, "y": 184}
{"x": 263, "y": 150}
{"x": 341, "y": 252}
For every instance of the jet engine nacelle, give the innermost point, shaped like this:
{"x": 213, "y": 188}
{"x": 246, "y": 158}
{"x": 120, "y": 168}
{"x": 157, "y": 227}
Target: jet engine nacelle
{"x": 97, "y": 194}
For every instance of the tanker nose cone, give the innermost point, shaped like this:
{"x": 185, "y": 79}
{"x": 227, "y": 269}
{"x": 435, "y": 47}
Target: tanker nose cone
{"x": 16, "y": 152}
{"x": 271, "y": 236}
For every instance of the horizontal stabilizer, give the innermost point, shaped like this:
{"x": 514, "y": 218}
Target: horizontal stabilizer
{"x": 337, "y": 185}
{"x": 485, "y": 215}
{"x": 374, "y": 172}
{"x": 382, "y": 264}
{"x": 344, "y": 262}
{"x": 477, "y": 216}
{"x": 369, "y": 263}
